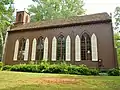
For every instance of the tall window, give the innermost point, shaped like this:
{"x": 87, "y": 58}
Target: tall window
{"x": 19, "y": 17}
{"x": 16, "y": 50}
{"x": 77, "y": 48}
{"x": 85, "y": 47}
{"x": 33, "y": 56}
{"x": 61, "y": 48}
{"x": 54, "y": 48}
{"x": 21, "y": 49}
{"x": 94, "y": 48}
{"x": 40, "y": 48}
{"x": 45, "y": 56}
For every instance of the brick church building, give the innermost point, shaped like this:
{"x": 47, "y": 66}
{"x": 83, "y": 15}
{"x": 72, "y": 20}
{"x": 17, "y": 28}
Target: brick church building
{"x": 77, "y": 40}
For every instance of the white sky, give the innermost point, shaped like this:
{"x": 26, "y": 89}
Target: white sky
{"x": 92, "y": 6}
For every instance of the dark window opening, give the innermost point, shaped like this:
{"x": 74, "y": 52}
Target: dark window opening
{"x": 21, "y": 49}
{"x": 86, "y": 47}
{"x": 61, "y": 48}
{"x": 40, "y": 48}
{"x": 19, "y": 17}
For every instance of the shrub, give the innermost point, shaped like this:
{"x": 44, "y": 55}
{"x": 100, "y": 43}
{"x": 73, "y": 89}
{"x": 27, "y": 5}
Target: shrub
{"x": 79, "y": 70}
{"x": 58, "y": 68}
{"x": 24, "y": 68}
{"x": 7, "y": 67}
{"x": 113, "y": 72}
{"x": 1, "y": 64}
{"x": 94, "y": 72}
{"x": 84, "y": 70}
{"x": 72, "y": 69}
{"x": 45, "y": 67}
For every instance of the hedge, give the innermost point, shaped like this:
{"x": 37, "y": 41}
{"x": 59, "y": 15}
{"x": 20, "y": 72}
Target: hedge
{"x": 45, "y": 67}
{"x": 62, "y": 68}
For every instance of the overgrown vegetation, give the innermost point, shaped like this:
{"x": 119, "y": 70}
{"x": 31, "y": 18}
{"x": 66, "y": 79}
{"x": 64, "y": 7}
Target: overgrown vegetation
{"x": 62, "y": 68}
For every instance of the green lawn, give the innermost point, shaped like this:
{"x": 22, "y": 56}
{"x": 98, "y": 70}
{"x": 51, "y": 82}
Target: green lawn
{"x": 38, "y": 81}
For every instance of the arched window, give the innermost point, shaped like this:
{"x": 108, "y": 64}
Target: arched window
{"x": 26, "y": 50}
{"x": 77, "y": 48}
{"x": 54, "y": 43}
{"x": 85, "y": 47}
{"x": 61, "y": 48}
{"x": 45, "y": 56}
{"x": 94, "y": 48}
{"x": 68, "y": 48}
{"x": 16, "y": 50}
{"x": 19, "y": 17}
{"x": 33, "y": 49}
{"x": 26, "y": 20}
{"x": 40, "y": 48}
{"x": 21, "y": 49}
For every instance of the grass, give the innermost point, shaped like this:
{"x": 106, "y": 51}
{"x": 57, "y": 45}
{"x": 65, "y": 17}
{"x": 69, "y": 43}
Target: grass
{"x": 38, "y": 81}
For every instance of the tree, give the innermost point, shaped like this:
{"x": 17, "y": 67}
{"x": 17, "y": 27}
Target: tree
{"x": 117, "y": 45}
{"x": 6, "y": 17}
{"x": 117, "y": 28}
{"x": 53, "y": 9}
{"x": 117, "y": 18}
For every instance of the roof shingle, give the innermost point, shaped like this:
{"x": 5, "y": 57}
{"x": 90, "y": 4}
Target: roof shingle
{"x": 59, "y": 22}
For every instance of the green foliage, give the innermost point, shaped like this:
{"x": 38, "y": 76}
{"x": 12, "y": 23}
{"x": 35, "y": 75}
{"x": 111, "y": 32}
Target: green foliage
{"x": 53, "y": 9}
{"x": 117, "y": 17}
{"x": 1, "y": 64}
{"x": 6, "y": 19}
{"x": 45, "y": 67}
{"x": 94, "y": 72}
{"x": 24, "y": 68}
{"x": 114, "y": 72}
{"x": 7, "y": 67}
{"x": 80, "y": 70}
{"x": 117, "y": 45}
{"x": 57, "y": 68}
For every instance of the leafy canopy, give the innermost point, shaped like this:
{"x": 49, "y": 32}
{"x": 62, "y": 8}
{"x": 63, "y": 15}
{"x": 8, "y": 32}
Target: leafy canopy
{"x": 6, "y": 13}
{"x": 117, "y": 18}
{"x": 117, "y": 45}
{"x": 53, "y": 9}
{"x": 6, "y": 17}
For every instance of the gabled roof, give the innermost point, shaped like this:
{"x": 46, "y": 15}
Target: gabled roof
{"x": 62, "y": 22}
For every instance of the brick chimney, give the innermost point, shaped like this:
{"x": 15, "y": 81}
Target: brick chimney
{"x": 22, "y": 17}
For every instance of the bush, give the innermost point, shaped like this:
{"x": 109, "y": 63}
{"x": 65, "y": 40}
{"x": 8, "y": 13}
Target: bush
{"x": 84, "y": 70}
{"x": 113, "y": 72}
{"x": 24, "y": 68}
{"x": 45, "y": 67}
{"x": 94, "y": 72}
{"x": 79, "y": 70}
{"x": 58, "y": 68}
{"x": 72, "y": 69}
{"x": 7, "y": 67}
{"x": 1, "y": 64}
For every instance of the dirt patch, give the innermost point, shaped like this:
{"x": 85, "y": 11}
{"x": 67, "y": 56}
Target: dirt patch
{"x": 50, "y": 81}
